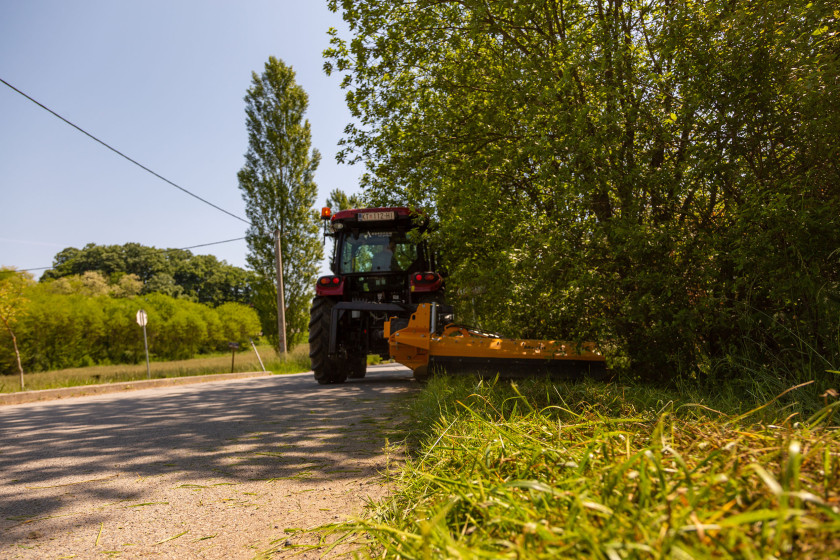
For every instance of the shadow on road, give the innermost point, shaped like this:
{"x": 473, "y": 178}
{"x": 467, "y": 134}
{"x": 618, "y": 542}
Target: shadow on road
{"x": 275, "y": 428}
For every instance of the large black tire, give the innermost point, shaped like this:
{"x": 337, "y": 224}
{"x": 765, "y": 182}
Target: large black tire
{"x": 358, "y": 366}
{"x": 326, "y": 370}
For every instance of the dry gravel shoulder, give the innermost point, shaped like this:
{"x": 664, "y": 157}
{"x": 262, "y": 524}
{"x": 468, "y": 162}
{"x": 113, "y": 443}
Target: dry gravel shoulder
{"x": 216, "y": 470}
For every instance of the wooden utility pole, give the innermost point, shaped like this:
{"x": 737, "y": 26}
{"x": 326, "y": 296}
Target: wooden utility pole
{"x": 281, "y": 299}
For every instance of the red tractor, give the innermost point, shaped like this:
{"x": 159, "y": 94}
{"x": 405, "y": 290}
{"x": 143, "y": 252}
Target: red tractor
{"x": 378, "y": 272}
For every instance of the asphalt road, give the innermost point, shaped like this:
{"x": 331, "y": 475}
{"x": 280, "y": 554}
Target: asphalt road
{"x": 216, "y": 470}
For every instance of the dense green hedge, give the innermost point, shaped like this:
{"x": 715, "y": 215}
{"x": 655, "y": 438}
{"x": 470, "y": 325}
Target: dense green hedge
{"x": 661, "y": 177}
{"x": 59, "y": 330}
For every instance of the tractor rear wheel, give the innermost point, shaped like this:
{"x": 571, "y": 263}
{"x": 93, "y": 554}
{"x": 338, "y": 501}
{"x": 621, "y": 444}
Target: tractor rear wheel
{"x": 326, "y": 370}
{"x": 358, "y": 366}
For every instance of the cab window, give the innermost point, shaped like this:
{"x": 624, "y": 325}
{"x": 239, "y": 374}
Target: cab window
{"x": 377, "y": 252}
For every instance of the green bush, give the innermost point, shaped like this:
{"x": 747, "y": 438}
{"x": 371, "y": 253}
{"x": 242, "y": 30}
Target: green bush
{"x": 62, "y": 330}
{"x": 660, "y": 177}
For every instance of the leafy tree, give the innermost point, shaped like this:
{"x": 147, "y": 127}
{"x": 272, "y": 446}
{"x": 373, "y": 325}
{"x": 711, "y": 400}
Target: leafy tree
{"x": 277, "y": 184}
{"x": 180, "y": 328}
{"x": 127, "y": 286}
{"x": 92, "y": 283}
{"x": 62, "y": 330}
{"x": 658, "y": 175}
{"x": 207, "y": 280}
{"x": 175, "y": 272}
{"x": 146, "y": 262}
{"x": 239, "y": 323}
{"x": 13, "y": 300}
{"x": 163, "y": 283}
{"x": 108, "y": 260}
{"x": 122, "y": 339}
{"x": 338, "y": 200}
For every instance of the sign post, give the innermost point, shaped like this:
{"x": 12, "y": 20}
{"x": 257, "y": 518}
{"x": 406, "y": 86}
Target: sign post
{"x": 142, "y": 319}
{"x": 234, "y": 346}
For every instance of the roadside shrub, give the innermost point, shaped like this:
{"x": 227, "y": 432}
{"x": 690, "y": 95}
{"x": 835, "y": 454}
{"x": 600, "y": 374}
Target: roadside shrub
{"x": 62, "y": 330}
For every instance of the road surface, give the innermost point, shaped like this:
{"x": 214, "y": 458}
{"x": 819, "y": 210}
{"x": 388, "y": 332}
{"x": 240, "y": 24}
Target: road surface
{"x": 214, "y": 470}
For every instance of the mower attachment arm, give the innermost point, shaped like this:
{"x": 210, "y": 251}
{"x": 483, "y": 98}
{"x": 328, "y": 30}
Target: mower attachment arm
{"x": 458, "y": 349}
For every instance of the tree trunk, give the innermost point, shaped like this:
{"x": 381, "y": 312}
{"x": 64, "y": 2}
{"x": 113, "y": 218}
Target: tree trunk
{"x": 17, "y": 355}
{"x": 281, "y": 296}
{"x": 17, "y": 352}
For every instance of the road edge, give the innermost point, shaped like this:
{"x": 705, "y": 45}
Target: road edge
{"x": 22, "y": 397}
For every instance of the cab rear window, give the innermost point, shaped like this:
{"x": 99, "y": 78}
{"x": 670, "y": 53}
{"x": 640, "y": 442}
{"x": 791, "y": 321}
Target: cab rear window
{"x": 381, "y": 251}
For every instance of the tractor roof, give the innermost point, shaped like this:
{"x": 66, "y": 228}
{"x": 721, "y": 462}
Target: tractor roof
{"x": 384, "y": 214}
{"x": 375, "y": 219}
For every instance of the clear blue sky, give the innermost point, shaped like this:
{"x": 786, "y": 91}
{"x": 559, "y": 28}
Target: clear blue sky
{"x": 162, "y": 81}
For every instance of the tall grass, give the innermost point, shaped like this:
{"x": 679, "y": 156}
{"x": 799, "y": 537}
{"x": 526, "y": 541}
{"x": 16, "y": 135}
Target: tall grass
{"x": 296, "y": 361}
{"x": 773, "y": 355}
{"x": 588, "y": 470}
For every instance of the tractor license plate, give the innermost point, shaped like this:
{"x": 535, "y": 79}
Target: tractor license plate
{"x": 375, "y": 216}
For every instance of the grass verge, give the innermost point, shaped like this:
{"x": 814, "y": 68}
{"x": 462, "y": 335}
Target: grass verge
{"x": 295, "y": 362}
{"x": 587, "y": 470}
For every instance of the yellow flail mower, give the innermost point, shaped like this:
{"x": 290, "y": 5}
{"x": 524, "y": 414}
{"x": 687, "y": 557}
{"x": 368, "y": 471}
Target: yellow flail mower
{"x": 428, "y": 349}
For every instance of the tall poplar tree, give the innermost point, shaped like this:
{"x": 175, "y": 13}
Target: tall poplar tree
{"x": 277, "y": 184}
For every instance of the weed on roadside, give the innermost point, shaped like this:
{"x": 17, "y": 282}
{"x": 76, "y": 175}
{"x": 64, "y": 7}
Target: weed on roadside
{"x": 587, "y": 470}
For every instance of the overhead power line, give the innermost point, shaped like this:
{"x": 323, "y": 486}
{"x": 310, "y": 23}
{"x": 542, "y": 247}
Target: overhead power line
{"x": 208, "y": 244}
{"x": 180, "y": 249}
{"x": 116, "y": 151}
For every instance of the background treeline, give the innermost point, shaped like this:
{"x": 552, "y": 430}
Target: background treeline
{"x": 174, "y": 272}
{"x": 82, "y": 320}
{"x": 660, "y": 176}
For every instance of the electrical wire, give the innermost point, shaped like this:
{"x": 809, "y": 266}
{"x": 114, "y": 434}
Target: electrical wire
{"x": 181, "y": 249}
{"x": 116, "y": 151}
{"x": 208, "y": 244}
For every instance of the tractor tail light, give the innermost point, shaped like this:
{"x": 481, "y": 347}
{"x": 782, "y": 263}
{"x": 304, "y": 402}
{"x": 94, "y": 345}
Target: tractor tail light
{"x": 426, "y": 282}
{"x": 330, "y": 286}
{"x": 425, "y": 277}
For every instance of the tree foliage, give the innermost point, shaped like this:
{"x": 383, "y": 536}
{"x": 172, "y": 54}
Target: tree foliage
{"x": 339, "y": 200}
{"x": 661, "y": 176}
{"x": 133, "y": 268}
{"x": 277, "y": 184}
{"x": 13, "y": 301}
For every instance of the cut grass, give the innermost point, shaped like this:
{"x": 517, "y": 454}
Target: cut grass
{"x": 547, "y": 470}
{"x": 296, "y": 361}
